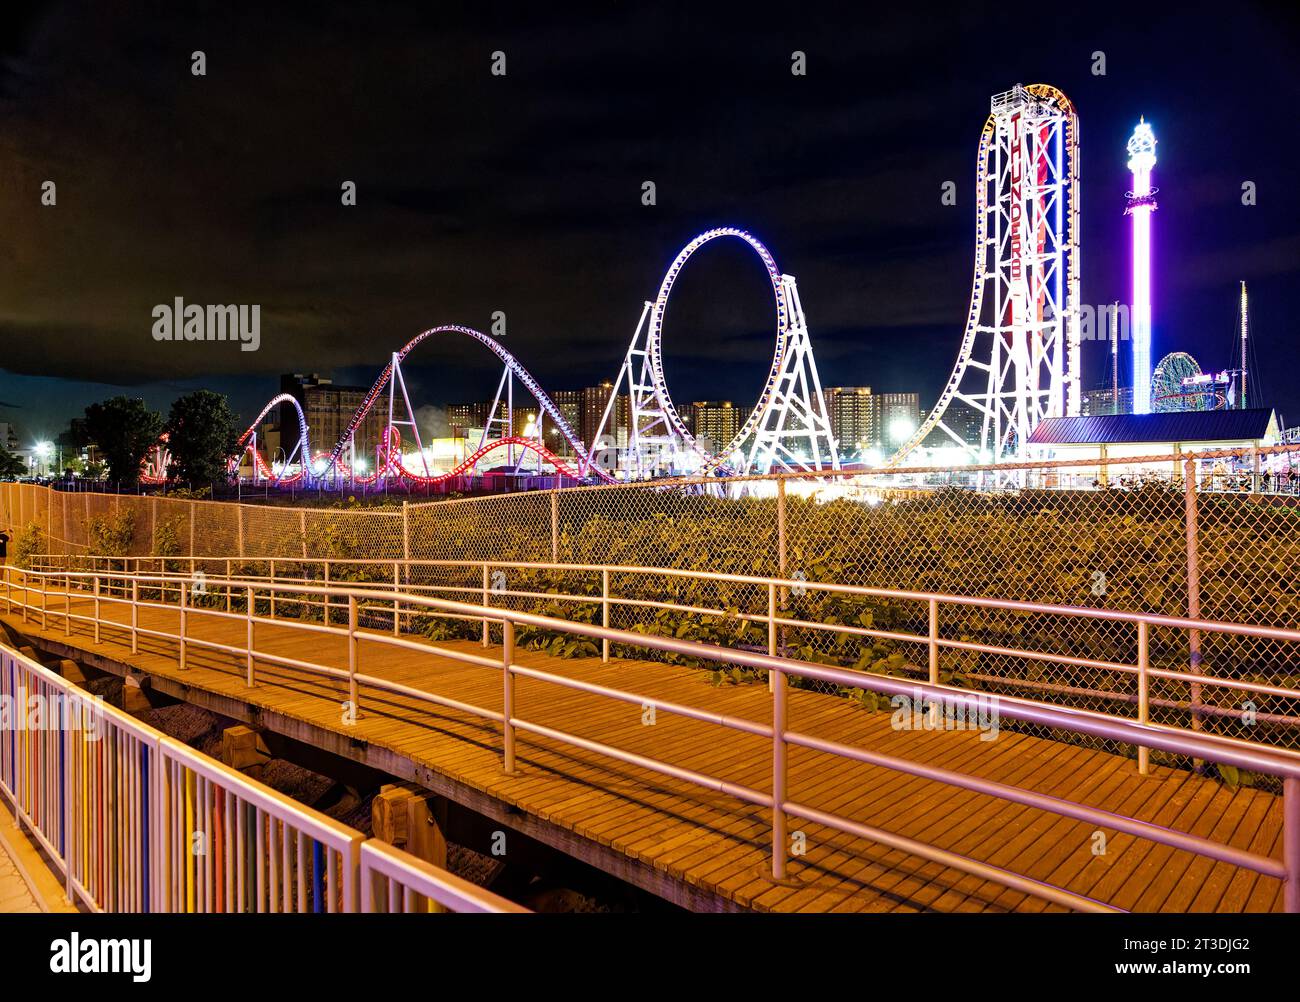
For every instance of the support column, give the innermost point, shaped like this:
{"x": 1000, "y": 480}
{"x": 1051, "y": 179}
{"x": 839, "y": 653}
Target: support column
{"x": 244, "y": 749}
{"x": 410, "y": 818}
{"x": 1193, "y": 583}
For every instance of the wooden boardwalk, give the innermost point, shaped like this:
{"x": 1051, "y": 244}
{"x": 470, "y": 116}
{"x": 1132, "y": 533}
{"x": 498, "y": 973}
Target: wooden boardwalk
{"x": 705, "y": 849}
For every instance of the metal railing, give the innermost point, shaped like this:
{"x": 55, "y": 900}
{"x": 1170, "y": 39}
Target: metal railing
{"x": 766, "y": 602}
{"x": 395, "y": 881}
{"x": 32, "y": 591}
{"x": 135, "y": 821}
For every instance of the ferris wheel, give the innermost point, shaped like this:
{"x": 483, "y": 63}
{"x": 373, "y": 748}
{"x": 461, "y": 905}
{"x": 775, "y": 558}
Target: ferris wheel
{"x": 1176, "y": 385}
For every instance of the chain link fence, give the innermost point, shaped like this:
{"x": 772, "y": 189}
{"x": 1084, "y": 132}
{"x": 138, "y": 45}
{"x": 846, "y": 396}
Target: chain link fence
{"x": 1211, "y": 535}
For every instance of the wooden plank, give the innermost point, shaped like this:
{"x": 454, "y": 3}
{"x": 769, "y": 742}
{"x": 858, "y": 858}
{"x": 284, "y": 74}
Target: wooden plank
{"x": 696, "y": 838}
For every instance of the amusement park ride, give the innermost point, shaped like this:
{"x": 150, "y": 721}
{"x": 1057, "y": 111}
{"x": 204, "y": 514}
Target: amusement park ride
{"x": 1178, "y": 384}
{"x": 1018, "y": 360}
{"x": 1019, "y": 356}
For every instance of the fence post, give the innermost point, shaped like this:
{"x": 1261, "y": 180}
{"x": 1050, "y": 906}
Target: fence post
{"x": 65, "y": 783}
{"x": 508, "y": 699}
{"x": 193, "y": 509}
{"x": 67, "y": 604}
{"x": 778, "y": 682}
{"x": 1193, "y": 583}
{"x": 239, "y": 523}
{"x": 248, "y": 618}
{"x": 934, "y": 641}
{"x": 604, "y": 613}
{"x": 485, "y": 603}
{"x": 555, "y": 525}
{"x": 1291, "y": 843}
{"x": 1144, "y": 682}
{"x": 181, "y": 660}
{"x": 96, "y": 608}
{"x": 272, "y": 588}
{"x": 771, "y": 632}
{"x": 406, "y": 531}
{"x": 397, "y": 584}
{"x": 135, "y": 614}
{"x": 352, "y": 657}
{"x": 780, "y": 537}
{"x": 325, "y": 595}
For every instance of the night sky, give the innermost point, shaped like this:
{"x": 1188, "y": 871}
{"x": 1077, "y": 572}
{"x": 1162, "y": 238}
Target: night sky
{"x": 523, "y": 193}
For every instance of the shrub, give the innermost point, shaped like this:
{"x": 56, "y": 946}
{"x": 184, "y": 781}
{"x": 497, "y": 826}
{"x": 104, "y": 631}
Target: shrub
{"x": 27, "y": 544}
{"x": 111, "y": 535}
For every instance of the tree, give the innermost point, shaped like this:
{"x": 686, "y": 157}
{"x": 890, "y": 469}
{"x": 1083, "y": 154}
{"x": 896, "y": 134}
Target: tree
{"x": 11, "y": 465}
{"x": 124, "y": 429}
{"x": 200, "y": 437}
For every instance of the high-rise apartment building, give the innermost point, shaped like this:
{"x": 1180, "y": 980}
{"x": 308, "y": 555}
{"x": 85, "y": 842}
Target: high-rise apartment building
{"x": 713, "y": 423}
{"x": 329, "y": 407}
{"x": 1098, "y": 402}
{"x": 851, "y": 411}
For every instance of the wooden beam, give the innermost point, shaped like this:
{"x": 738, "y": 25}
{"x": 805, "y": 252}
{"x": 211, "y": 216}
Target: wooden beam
{"x": 405, "y": 816}
{"x": 242, "y": 748}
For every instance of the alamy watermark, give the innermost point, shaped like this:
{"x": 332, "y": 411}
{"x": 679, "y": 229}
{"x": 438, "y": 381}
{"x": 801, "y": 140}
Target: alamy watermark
{"x": 1100, "y": 323}
{"x": 75, "y": 955}
{"x": 973, "y": 712}
{"x": 179, "y": 321}
{"x": 24, "y": 710}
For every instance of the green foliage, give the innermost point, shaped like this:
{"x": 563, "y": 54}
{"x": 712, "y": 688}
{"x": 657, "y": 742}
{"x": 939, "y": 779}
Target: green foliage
{"x": 11, "y": 465}
{"x": 167, "y": 537}
{"x": 111, "y": 535}
{"x": 189, "y": 493}
{"x": 125, "y": 430}
{"x": 200, "y": 435}
{"x": 1235, "y": 778}
{"x": 28, "y": 542}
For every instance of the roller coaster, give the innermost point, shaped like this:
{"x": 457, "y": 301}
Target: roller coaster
{"x": 1019, "y": 357}
{"x": 788, "y": 429}
{"x": 1018, "y": 360}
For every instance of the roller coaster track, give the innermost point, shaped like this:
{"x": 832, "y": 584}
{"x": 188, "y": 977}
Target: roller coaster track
{"x": 303, "y": 448}
{"x": 493, "y": 345}
{"x": 1025, "y": 368}
{"x": 989, "y": 402}
{"x": 790, "y": 407}
{"x": 393, "y": 465}
{"x": 654, "y": 342}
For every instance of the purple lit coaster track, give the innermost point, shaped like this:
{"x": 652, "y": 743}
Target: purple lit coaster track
{"x": 788, "y": 429}
{"x": 341, "y": 463}
{"x": 276, "y": 472}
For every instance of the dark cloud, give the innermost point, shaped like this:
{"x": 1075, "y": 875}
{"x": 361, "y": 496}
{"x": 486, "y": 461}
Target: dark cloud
{"x": 523, "y": 194}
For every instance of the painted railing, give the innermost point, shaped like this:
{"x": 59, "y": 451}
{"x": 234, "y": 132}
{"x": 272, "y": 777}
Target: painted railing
{"x": 395, "y": 881}
{"x": 56, "y": 595}
{"x": 135, "y": 821}
{"x": 1121, "y": 685}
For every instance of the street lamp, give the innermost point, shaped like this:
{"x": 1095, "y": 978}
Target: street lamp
{"x": 901, "y": 428}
